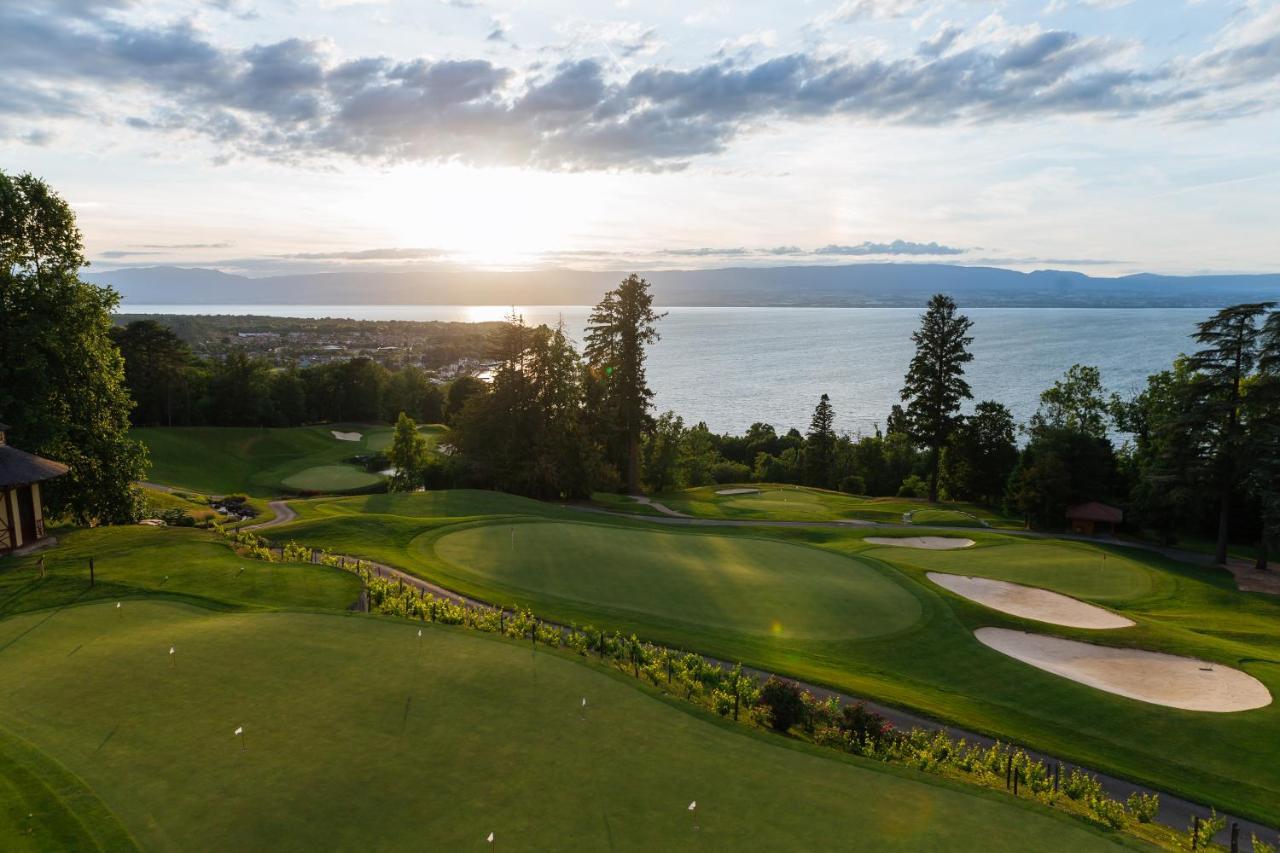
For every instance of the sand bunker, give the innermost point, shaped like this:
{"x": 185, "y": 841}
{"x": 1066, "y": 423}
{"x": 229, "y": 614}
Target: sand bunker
{"x": 738, "y": 492}
{"x": 1155, "y": 677}
{"x": 1030, "y": 602}
{"x": 931, "y": 543}
{"x": 346, "y": 436}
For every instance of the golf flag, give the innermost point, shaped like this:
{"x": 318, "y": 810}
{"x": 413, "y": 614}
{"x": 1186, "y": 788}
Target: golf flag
{"x": 239, "y": 730}
{"x": 584, "y": 701}
{"x": 490, "y": 838}
{"x": 693, "y": 805}
{"x": 117, "y": 605}
{"x": 173, "y": 650}
{"x": 419, "y": 632}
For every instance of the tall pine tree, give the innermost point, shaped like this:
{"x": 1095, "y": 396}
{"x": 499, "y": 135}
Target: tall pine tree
{"x": 935, "y": 382}
{"x": 820, "y": 445}
{"x": 1231, "y": 350}
{"x": 618, "y": 331}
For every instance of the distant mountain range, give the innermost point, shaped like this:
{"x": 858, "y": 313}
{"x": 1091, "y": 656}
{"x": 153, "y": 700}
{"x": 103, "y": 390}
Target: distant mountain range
{"x": 853, "y": 285}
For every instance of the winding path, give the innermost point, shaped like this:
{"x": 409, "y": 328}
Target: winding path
{"x": 1175, "y": 811}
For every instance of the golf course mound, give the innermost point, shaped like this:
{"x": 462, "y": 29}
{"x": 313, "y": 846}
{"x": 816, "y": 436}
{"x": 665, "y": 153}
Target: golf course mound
{"x": 346, "y": 436}
{"x": 1155, "y": 677}
{"x": 728, "y": 492}
{"x": 331, "y": 478}
{"x": 928, "y": 543}
{"x": 297, "y": 731}
{"x": 747, "y": 585}
{"x": 1030, "y": 602}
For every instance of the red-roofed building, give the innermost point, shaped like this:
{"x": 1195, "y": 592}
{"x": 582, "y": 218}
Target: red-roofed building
{"x": 1093, "y": 517}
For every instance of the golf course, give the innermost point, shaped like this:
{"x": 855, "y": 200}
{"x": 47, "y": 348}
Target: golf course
{"x": 825, "y": 605}
{"x": 269, "y": 462}
{"x": 233, "y": 704}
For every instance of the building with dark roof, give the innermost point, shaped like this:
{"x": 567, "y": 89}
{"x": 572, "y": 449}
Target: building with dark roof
{"x": 21, "y": 515}
{"x": 1093, "y": 517}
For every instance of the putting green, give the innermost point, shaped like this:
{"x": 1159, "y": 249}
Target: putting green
{"x": 1077, "y": 571}
{"x": 331, "y": 478}
{"x": 360, "y": 735}
{"x": 750, "y": 586}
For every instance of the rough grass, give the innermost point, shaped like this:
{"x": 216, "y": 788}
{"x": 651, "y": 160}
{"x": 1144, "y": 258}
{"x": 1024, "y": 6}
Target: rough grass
{"x": 360, "y": 735}
{"x": 935, "y": 666}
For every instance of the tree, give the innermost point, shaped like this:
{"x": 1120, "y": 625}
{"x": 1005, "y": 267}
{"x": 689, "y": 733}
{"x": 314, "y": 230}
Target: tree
{"x": 981, "y": 454}
{"x": 698, "y": 456}
{"x": 935, "y": 385}
{"x": 1076, "y": 403}
{"x": 661, "y": 452}
{"x": 408, "y": 455}
{"x": 1231, "y": 349}
{"x": 408, "y": 390}
{"x": 785, "y": 702}
{"x": 460, "y": 391}
{"x": 156, "y": 367}
{"x": 820, "y": 445}
{"x": 61, "y": 378}
{"x": 618, "y": 330}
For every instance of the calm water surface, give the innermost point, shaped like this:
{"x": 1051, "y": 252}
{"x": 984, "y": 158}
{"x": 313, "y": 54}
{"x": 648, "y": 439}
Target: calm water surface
{"x": 733, "y": 366}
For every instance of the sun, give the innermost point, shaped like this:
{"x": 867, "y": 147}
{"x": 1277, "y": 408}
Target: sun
{"x": 485, "y": 218}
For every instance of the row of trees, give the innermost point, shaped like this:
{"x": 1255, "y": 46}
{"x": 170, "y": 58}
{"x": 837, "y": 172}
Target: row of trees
{"x": 172, "y": 387}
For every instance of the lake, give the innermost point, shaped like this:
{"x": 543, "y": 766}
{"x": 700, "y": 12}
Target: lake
{"x": 733, "y": 366}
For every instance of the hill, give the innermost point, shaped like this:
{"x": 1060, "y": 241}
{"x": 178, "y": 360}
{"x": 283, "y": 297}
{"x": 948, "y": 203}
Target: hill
{"x": 851, "y": 285}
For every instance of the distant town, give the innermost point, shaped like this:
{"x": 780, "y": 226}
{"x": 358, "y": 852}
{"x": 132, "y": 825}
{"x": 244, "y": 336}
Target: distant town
{"x": 446, "y": 350}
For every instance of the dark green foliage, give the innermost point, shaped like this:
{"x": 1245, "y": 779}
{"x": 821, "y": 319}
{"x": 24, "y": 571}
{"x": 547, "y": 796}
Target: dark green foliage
{"x": 935, "y": 382}
{"x": 61, "y": 377}
{"x": 158, "y": 368}
{"x": 619, "y": 329}
{"x": 820, "y": 446}
{"x": 1075, "y": 403}
{"x": 980, "y": 455}
{"x": 785, "y": 703}
{"x": 461, "y": 390}
{"x": 661, "y": 452}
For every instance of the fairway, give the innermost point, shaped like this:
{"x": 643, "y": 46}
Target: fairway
{"x": 268, "y": 462}
{"x": 1080, "y": 571}
{"x": 358, "y": 734}
{"x": 749, "y": 586}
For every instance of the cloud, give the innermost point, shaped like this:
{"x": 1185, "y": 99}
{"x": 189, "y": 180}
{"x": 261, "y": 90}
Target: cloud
{"x": 292, "y": 100}
{"x": 187, "y": 245}
{"x": 368, "y": 255}
{"x": 858, "y": 10}
{"x": 705, "y": 252}
{"x": 897, "y": 247}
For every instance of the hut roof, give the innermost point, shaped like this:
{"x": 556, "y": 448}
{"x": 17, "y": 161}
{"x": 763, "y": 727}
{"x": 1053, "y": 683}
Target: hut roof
{"x": 17, "y": 467}
{"x": 1094, "y": 511}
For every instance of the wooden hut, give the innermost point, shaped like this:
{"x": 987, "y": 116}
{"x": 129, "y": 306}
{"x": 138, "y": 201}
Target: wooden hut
{"x": 21, "y": 516}
{"x": 1093, "y": 517}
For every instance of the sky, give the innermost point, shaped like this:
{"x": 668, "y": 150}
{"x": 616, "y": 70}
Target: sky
{"x": 257, "y": 137}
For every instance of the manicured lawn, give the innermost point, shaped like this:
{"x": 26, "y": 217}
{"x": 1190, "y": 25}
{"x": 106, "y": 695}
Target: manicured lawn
{"x": 358, "y": 734}
{"x": 736, "y": 584}
{"x": 265, "y": 462}
{"x": 802, "y": 503}
{"x": 585, "y": 571}
{"x": 173, "y": 563}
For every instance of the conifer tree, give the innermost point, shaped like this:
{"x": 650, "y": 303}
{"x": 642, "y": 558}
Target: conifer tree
{"x": 935, "y": 382}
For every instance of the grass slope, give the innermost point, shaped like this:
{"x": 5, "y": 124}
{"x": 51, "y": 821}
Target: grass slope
{"x": 801, "y": 503}
{"x": 602, "y": 574}
{"x": 360, "y": 735}
{"x": 266, "y": 462}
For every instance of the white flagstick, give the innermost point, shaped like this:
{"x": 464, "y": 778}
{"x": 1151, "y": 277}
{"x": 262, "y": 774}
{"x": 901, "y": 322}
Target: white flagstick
{"x": 240, "y": 734}
{"x": 173, "y": 655}
{"x": 490, "y": 840}
{"x": 693, "y": 809}
{"x": 119, "y": 612}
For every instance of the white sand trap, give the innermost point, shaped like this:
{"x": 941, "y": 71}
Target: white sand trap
{"x": 346, "y": 436}
{"x": 1030, "y": 602}
{"x": 738, "y": 492}
{"x": 931, "y": 543}
{"x": 1155, "y": 677}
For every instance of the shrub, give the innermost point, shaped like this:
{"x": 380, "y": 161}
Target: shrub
{"x": 730, "y": 472}
{"x": 1260, "y": 846}
{"x": 864, "y": 725}
{"x": 1082, "y": 786}
{"x": 913, "y": 487}
{"x": 177, "y": 517}
{"x": 784, "y": 701}
{"x": 1107, "y": 810}
{"x": 1144, "y": 806}
{"x": 853, "y": 485}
